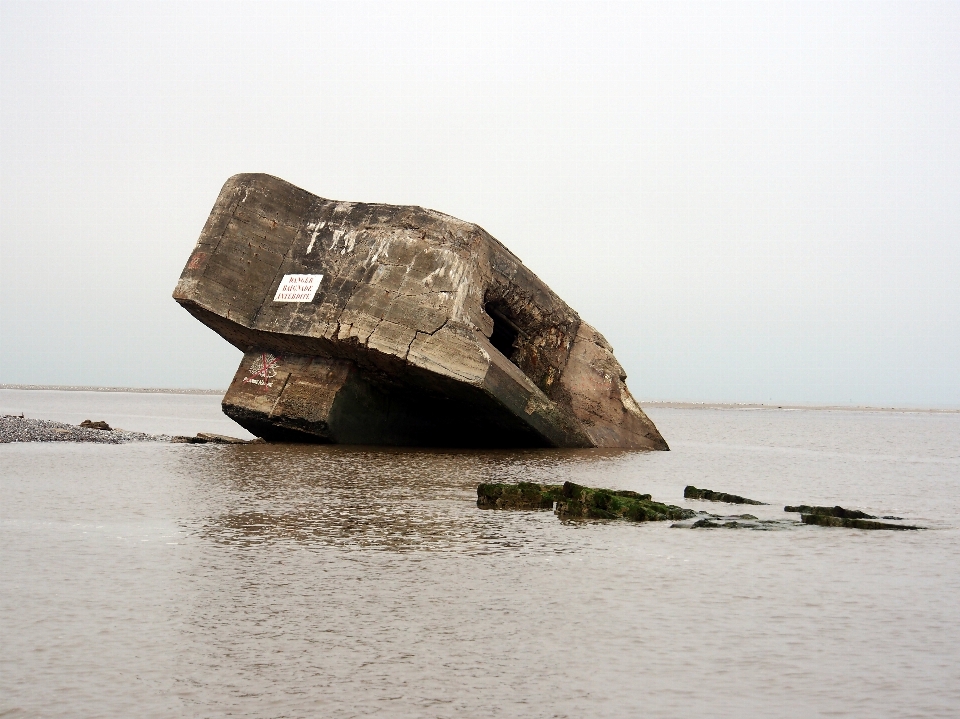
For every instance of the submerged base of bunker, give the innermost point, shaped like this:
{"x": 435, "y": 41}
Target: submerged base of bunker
{"x": 380, "y": 324}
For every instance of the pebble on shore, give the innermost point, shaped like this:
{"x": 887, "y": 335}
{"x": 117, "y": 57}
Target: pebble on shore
{"x": 17, "y": 428}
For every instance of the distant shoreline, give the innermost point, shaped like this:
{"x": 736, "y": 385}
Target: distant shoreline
{"x": 663, "y": 404}
{"x": 132, "y": 390}
{"x": 821, "y": 407}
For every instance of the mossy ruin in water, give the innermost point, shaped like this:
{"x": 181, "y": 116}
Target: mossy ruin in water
{"x": 580, "y": 502}
{"x": 525, "y": 495}
{"x": 837, "y": 511}
{"x": 825, "y": 520}
{"x": 691, "y": 492}
{"x": 574, "y": 501}
{"x": 711, "y": 524}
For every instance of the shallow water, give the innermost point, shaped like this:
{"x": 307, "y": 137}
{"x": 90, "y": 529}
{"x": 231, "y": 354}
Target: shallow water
{"x": 268, "y": 581}
{"x": 150, "y": 412}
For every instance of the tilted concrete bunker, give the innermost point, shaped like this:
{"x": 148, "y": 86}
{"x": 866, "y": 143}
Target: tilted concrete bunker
{"x": 379, "y": 324}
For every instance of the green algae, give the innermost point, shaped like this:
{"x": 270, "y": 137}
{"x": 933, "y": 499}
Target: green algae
{"x": 571, "y": 501}
{"x": 691, "y": 492}
{"x": 524, "y": 495}
{"x": 580, "y": 502}
{"x": 574, "y": 501}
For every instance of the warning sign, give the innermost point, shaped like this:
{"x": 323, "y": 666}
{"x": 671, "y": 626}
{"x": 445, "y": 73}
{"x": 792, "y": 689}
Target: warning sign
{"x": 297, "y": 288}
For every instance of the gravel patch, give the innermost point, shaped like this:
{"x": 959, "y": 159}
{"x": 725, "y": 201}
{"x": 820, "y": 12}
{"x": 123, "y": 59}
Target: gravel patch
{"x": 20, "y": 429}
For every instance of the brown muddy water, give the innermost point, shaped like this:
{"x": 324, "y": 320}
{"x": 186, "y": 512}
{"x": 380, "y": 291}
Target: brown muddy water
{"x": 159, "y": 580}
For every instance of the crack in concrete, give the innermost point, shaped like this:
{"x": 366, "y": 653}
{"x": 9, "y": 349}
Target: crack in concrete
{"x": 421, "y": 332}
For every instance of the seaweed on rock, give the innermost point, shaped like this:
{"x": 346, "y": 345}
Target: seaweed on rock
{"x": 825, "y": 520}
{"x": 691, "y": 492}
{"x": 524, "y": 495}
{"x": 574, "y": 501}
{"x": 580, "y": 502}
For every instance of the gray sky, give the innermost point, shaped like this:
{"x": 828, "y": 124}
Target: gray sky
{"x": 752, "y": 201}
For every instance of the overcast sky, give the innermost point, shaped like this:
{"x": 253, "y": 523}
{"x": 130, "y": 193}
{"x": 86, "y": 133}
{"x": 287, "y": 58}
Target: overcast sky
{"x": 752, "y": 201}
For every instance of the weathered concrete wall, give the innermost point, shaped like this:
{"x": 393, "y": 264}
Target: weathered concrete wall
{"x": 424, "y": 330}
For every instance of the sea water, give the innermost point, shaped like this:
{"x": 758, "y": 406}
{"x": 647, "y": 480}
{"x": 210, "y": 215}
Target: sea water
{"x": 159, "y": 580}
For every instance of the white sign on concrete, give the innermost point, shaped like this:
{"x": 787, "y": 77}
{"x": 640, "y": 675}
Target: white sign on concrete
{"x": 298, "y": 288}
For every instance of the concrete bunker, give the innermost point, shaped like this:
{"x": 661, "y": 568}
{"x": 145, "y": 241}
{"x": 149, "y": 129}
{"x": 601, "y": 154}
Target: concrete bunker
{"x": 379, "y": 324}
{"x": 505, "y": 333}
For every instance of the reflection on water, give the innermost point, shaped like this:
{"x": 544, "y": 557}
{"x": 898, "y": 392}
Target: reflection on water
{"x": 383, "y": 499}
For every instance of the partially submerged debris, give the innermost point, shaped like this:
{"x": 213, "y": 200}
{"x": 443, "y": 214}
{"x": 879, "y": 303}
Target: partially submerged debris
{"x": 580, "y": 502}
{"x": 712, "y": 524}
{"x": 574, "y": 501}
{"x": 208, "y": 438}
{"x": 691, "y": 492}
{"x": 735, "y": 521}
{"x": 223, "y": 439}
{"x": 837, "y": 511}
{"x": 826, "y": 520}
{"x": 100, "y": 424}
{"x": 840, "y": 517}
{"x": 524, "y": 495}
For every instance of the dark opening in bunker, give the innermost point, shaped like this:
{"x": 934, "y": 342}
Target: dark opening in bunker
{"x": 505, "y": 332}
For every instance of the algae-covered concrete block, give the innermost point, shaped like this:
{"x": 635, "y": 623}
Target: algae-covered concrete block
{"x": 574, "y": 501}
{"x": 578, "y": 502}
{"x": 708, "y": 495}
{"x": 524, "y": 495}
{"x": 827, "y": 520}
{"x": 380, "y": 324}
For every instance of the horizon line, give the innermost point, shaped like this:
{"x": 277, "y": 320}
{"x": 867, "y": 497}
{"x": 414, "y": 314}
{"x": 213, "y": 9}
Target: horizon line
{"x": 663, "y": 404}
